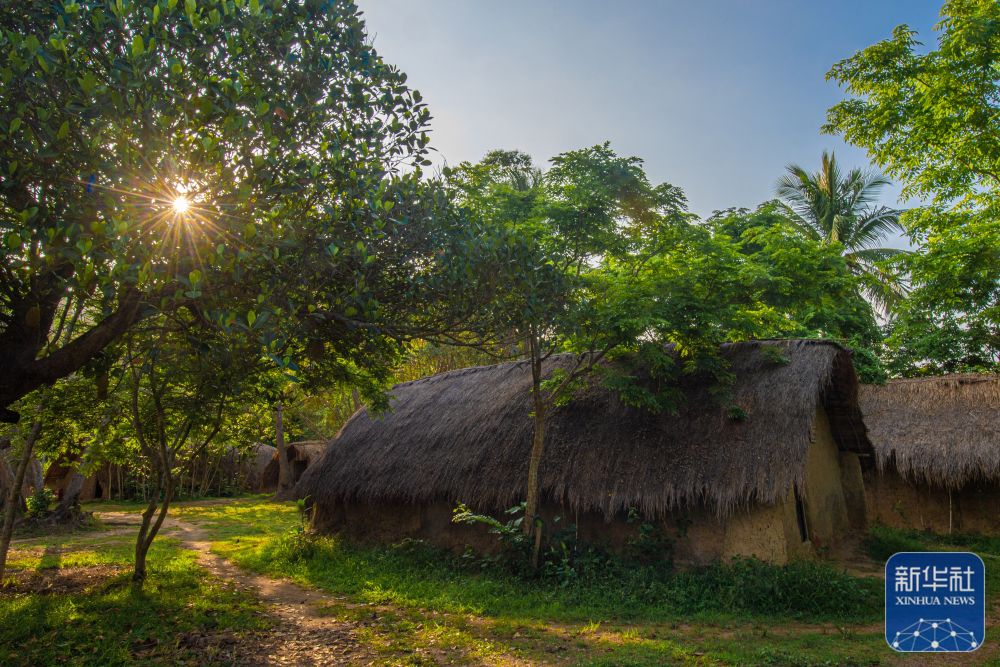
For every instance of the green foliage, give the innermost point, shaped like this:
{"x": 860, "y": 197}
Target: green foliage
{"x": 928, "y": 117}
{"x": 651, "y": 545}
{"x": 775, "y": 356}
{"x": 782, "y": 283}
{"x": 836, "y": 208}
{"x": 950, "y": 321}
{"x": 563, "y": 558}
{"x": 298, "y": 148}
{"x": 883, "y": 541}
{"x": 736, "y": 413}
{"x": 515, "y": 544}
{"x": 39, "y": 502}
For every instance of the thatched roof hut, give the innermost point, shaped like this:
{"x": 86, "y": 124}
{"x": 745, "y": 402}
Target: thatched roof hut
{"x": 245, "y": 468}
{"x": 300, "y": 455}
{"x": 465, "y": 436}
{"x": 66, "y": 465}
{"x": 937, "y": 446}
{"x": 943, "y": 431}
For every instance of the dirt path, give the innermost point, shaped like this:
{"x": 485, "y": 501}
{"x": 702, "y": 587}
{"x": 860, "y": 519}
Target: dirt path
{"x": 302, "y": 635}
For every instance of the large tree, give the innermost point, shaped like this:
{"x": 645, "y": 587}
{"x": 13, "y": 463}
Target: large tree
{"x": 553, "y": 232}
{"x": 840, "y": 208}
{"x": 254, "y": 162}
{"x": 930, "y": 117}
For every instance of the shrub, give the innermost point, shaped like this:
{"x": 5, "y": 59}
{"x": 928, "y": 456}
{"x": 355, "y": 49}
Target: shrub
{"x": 39, "y": 502}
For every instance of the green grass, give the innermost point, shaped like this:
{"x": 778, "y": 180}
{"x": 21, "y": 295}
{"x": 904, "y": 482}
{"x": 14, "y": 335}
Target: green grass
{"x": 424, "y": 599}
{"x": 413, "y": 605}
{"x": 883, "y": 541}
{"x": 106, "y": 621}
{"x": 418, "y": 576}
{"x": 260, "y": 536}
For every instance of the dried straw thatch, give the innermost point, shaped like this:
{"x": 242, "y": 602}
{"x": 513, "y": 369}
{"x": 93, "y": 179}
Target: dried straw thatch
{"x": 943, "y": 431}
{"x": 300, "y": 455}
{"x": 465, "y": 436}
{"x": 306, "y": 451}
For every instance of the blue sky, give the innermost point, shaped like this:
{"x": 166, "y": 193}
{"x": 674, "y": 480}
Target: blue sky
{"x": 716, "y": 96}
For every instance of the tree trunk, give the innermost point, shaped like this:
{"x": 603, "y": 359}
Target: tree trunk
{"x": 70, "y": 502}
{"x": 7, "y": 477}
{"x": 532, "y": 525}
{"x": 20, "y": 345}
{"x": 149, "y": 528}
{"x": 534, "y": 465}
{"x": 71, "y": 495}
{"x": 284, "y": 474}
{"x": 37, "y": 476}
{"x": 13, "y": 493}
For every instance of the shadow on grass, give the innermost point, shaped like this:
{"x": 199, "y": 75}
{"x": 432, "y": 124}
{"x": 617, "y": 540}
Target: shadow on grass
{"x": 113, "y": 623}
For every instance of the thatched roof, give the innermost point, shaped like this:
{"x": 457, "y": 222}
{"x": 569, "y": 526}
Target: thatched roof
{"x": 943, "y": 431}
{"x": 305, "y": 450}
{"x": 465, "y": 436}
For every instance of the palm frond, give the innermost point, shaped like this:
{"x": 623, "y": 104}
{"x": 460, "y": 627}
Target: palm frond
{"x": 873, "y": 225}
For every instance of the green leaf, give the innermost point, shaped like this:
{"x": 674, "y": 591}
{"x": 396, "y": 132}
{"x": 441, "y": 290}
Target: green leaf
{"x": 195, "y": 277}
{"x": 14, "y": 124}
{"x": 88, "y": 82}
{"x": 13, "y": 241}
{"x": 251, "y": 318}
{"x": 63, "y": 130}
{"x": 138, "y": 48}
{"x": 255, "y": 7}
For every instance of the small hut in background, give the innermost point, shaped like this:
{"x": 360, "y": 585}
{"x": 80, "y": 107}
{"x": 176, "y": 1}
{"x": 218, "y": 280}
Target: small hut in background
{"x": 254, "y": 466}
{"x": 937, "y": 444}
{"x": 300, "y": 456}
{"x": 59, "y": 474}
{"x": 774, "y": 472}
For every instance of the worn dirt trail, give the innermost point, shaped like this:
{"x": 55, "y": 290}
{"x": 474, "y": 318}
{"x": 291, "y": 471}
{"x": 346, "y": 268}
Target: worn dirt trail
{"x": 302, "y": 637}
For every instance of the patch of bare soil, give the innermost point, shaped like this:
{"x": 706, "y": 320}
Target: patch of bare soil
{"x": 55, "y": 581}
{"x": 302, "y": 636}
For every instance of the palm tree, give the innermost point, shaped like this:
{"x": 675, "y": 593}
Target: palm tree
{"x": 831, "y": 207}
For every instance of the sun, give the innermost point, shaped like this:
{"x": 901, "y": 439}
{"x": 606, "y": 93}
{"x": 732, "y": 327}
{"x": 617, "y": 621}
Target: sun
{"x": 180, "y": 204}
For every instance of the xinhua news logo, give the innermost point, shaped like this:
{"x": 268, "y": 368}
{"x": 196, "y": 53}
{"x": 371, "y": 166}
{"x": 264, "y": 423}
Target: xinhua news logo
{"x": 935, "y": 602}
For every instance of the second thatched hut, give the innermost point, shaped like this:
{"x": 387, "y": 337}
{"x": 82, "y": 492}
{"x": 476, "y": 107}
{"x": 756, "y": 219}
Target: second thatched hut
{"x": 937, "y": 443}
{"x": 773, "y": 472}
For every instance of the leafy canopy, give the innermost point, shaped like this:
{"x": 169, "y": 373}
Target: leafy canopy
{"x": 931, "y": 118}
{"x": 297, "y": 148}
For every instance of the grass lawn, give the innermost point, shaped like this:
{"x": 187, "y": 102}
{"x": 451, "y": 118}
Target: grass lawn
{"x": 411, "y": 605}
{"x": 73, "y": 603}
{"x": 425, "y": 602}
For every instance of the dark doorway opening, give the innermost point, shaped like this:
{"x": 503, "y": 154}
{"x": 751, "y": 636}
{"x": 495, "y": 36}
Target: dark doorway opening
{"x": 800, "y": 517}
